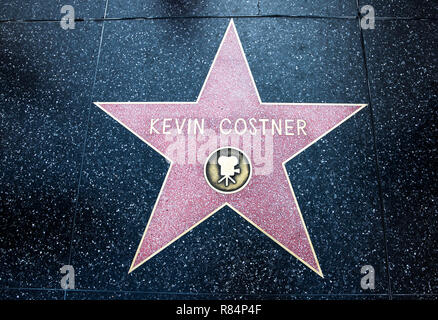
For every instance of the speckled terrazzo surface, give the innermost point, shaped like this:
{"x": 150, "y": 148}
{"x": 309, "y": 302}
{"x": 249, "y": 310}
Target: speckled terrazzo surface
{"x": 78, "y": 188}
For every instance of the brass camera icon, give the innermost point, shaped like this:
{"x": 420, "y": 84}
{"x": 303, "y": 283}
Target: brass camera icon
{"x": 227, "y": 169}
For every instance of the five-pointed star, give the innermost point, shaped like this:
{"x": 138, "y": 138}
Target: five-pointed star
{"x": 268, "y": 201}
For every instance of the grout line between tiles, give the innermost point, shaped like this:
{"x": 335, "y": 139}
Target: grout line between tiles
{"x": 376, "y": 157}
{"x": 215, "y": 17}
{"x": 85, "y": 143}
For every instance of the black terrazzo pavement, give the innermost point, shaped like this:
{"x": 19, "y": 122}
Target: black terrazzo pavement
{"x": 49, "y": 10}
{"x": 78, "y": 188}
{"x": 309, "y": 8}
{"x": 46, "y": 79}
{"x": 31, "y": 294}
{"x": 404, "y": 9}
{"x": 402, "y": 59}
{"x": 181, "y": 8}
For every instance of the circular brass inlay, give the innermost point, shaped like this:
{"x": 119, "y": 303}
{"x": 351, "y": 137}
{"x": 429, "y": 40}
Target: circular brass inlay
{"x": 227, "y": 170}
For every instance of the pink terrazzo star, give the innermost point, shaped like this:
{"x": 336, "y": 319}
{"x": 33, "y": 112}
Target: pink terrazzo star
{"x": 268, "y": 201}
